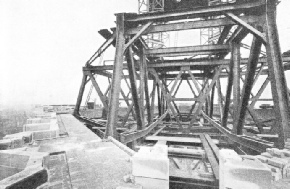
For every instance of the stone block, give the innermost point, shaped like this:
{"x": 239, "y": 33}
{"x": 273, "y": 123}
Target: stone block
{"x": 263, "y": 159}
{"x": 26, "y": 136}
{"x": 286, "y": 152}
{"x": 151, "y": 163}
{"x": 276, "y": 173}
{"x": 18, "y": 142}
{"x": 286, "y": 171}
{"x": 42, "y": 135}
{"x": 275, "y": 152}
{"x": 239, "y": 173}
{"x": 278, "y": 162}
{"x": 266, "y": 154}
{"x": 34, "y": 120}
{"x": 151, "y": 183}
{"x": 36, "y": 127}
{"x": 6, "y": 144}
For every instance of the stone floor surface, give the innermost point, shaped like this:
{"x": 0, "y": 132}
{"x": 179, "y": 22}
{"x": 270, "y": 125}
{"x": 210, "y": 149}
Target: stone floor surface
{"x": 89, "y": 162}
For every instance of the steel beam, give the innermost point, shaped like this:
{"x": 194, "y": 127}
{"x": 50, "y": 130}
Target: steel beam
{"x": 116, "y": 81}
{"x": 248, "y": 84}
{"x": 178, "y": 63}
{"x": 197, "y": 12}
{"x": 236, "y": 75}
{"x": 250, "y": 28}
{"x": 252, "y": 143}
{"x": 129, "y": 137}
{"x": 190, "y": 49}
{"x": 164, "y": 92}
{"x": 277, "y": 75}
{"x": 228, "y": 23}
{"x": 132, "y": 77}
{"x": 80, "y": 96}
{"x": 138, "y": 34}
{"x": 98, "y": 90}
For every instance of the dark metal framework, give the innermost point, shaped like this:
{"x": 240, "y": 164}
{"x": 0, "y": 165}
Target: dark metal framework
{"x": 159, "y": 74}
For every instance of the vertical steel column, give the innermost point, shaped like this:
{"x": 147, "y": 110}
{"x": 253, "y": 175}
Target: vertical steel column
{"x": 142, "y": 87}
{"x": 146, "y": 88}
{"x": 80, "y": 96}
{"x": 159, "y": 100}
{"x": 132, "y": 77}
{"x": 212, "y": 101}
{"x": 248, "y": 84}
{"x": 228, "y": 94}
{"x": 236, "y": 76}
{"x": 152, "y": 107}
{"x": 117, "y": 76}
{"x": 277, "y": 76}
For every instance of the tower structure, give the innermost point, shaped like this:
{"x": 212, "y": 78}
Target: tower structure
{"x": 153, "y": 40}
{"x": 135, "y": 64}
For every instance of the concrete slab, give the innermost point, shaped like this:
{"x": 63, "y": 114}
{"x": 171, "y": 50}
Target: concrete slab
{"x": 26, "y": 136}
{"x": 238, "y": 173}
{"x": 23, "y": 169}
{"x": 150, "y": 183}
{"x": 92, "y": 163}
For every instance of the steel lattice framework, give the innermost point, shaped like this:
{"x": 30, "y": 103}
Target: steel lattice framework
{"x": 152, "y": 74}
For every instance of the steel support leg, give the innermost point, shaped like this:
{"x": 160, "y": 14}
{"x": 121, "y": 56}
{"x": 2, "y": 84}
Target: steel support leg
{"x": 116, "y": 80}
{"x": 277, "y": 76}
{"x": 80, "y": 96}
{"x": 132, "y": 77}
{"x": 248, "y": 84}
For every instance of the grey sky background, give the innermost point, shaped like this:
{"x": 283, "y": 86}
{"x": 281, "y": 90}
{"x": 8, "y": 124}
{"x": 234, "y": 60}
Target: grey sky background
{"x": 45, "y": 43}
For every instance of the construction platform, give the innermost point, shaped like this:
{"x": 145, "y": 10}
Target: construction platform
{"x": 91, "y": 162}
{"x": 79, "y": 159}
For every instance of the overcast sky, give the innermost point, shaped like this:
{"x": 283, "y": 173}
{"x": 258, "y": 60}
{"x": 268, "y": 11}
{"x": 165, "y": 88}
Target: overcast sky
{"x": 45, "y": 43}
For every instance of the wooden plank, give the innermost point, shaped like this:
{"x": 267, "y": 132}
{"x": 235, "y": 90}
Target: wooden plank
{"x": 210, "y": 156}
{"x": 178, "y": 139}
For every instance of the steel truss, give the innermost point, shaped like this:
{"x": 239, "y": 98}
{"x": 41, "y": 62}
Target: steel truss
{"x": 152, "y": 74}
